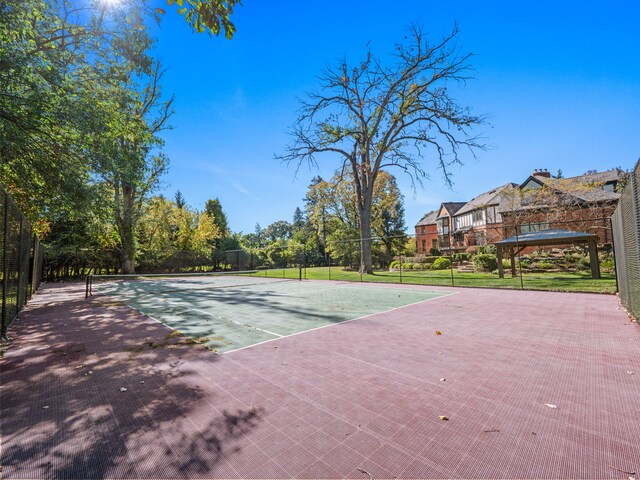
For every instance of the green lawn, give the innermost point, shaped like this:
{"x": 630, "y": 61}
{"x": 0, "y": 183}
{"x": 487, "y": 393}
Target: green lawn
{"x": 565, "y": 282}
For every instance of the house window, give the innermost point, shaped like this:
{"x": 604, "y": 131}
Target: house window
{"x": 434, "y": 243}
{"x": 477, "y": 216}
{"x": 423, "y": 230}
{"x": 443, "y": 225}
{"x": 534, "y": 227}
{"x": 491, "y": 214}
{"x": 424, "y": 245}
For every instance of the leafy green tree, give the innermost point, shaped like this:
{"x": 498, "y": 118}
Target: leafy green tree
{"x": 204, "y": 16}
{"x": 333, "y": 206}
{"x": 279, "y": 230}
{"x": 376, "y": 115}
{"x": 49, "y": 78}
{"x": 298, "y": 220}
{"x": 46, "y": 107}
{"x": 214, "y": 208}
{"x": 174, "y": 237}
{"x": 127, "y": 155}
{"x": 179, "y": 199}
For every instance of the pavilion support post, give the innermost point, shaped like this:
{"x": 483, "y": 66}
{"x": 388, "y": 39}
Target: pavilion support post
{"x": 593, "y": 258}
{"x": 499, "y": 258}
{"x": 512, "y": 257}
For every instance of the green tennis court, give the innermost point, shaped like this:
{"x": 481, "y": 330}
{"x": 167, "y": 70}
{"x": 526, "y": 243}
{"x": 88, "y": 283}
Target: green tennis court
{"x": 229, "y": 312}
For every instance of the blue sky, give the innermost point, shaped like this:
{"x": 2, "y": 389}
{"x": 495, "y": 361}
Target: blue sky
{"x": 559, "y": 82}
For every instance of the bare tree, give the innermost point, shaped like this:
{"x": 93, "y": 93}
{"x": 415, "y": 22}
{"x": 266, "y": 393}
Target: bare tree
{"x": 375, "y": 115}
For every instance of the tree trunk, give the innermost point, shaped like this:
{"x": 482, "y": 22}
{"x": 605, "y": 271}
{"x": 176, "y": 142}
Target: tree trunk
{"x": 126, "y": 229}
{"x": 366, "y": 263}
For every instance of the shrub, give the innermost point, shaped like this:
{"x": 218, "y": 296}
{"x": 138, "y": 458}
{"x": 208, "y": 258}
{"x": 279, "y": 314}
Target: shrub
{"x": 506, "y": 263}
{"x": 608, "y": 264}
{"x": 545, "y": 265}
{"x": 441, "y": 263}
{"x": 422, "y": 266}
{"x": 394, "y": 264}
{"x": 407, "y": 266}
{"x": 429, "y": 259}
{"x": 572, "y": 257}
{"x": 485, "y": 262}
{"x": 434, "y": 252}
{"x": 486, "y": 250}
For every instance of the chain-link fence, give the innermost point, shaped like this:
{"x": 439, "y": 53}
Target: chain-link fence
{"x": 455, "y": 259}
{"x": 626, "y": 234}
{"x": 21, "y": 259}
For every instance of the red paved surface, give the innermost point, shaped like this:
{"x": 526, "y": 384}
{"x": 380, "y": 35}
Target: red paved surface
{"x": 365, "y": 394}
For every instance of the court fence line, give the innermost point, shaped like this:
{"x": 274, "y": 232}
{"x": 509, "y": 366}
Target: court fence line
{"x": 626, "y": 242}
{"x": 21, "y": 257}
{"x": 562, "y": 268}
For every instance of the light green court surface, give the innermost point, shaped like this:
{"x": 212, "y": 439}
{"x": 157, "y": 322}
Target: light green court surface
{"x": 245, "y": 311}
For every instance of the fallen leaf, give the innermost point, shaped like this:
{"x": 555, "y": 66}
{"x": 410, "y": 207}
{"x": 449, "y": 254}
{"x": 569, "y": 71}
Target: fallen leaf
{"x": 123, "y": 389}
{"x": 141, "y": 381}
{"x": 45, "y": 407}
{"x": 442, "y": 417}
{"x": 443, "y": 379}
{"x": 630, "y": 372}
{"x": 362, "y": 470}
{"x": 90, "y": 372}
{"x": 438, "y": 332}
{"x": 550, "y": 405}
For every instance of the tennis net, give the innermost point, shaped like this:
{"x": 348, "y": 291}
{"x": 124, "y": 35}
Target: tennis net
{"x": 158, "y": 283}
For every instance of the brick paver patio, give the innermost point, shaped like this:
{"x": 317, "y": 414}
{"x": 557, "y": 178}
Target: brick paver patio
{"x": 352, "y": 400}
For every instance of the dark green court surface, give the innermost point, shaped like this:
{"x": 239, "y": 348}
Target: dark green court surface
{"x": 238, "y": 311}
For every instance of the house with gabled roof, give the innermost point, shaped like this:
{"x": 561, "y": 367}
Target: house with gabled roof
{"x": 444, "y": 224}
{"x": 479, "y": 221}
{"x": 582, "y": 203}
{"x": 427, "y": 233}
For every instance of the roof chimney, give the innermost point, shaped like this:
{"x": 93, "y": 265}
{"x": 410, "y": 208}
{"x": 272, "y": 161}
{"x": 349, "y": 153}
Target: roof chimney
{"x": 541, "y": 173}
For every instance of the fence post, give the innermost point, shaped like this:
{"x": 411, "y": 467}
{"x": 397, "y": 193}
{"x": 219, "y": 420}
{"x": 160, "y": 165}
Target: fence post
{"x": 32, "y": 264}
{"x": 401, "y": 259}
{"x": 5, "y": 269}
{"x": 451, "y": 252}
{"x": 20, "y": 247}
{"x": 613, "y": 251}
{"x": 519, "y": 259}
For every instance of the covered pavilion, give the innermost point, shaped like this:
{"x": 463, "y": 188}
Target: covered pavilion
{"x": 514, "y": 245}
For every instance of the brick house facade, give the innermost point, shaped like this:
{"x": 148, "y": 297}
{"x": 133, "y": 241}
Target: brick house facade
{"x": 583, "y": 203}
{"x": 427, "y": 233}
{"x": 479, "y": 221}
{"x": 445, "y": 226}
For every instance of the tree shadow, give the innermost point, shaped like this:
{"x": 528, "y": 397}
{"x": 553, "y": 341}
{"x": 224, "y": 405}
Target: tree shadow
{"x": 89, "y": 391}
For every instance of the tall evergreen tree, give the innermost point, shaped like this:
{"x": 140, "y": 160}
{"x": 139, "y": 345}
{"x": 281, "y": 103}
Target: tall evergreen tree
{"x": 214, "y": 208}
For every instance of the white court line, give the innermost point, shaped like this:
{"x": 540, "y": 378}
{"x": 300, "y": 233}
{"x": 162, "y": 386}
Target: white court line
{"x": 222, "y": 318}
{"x": 341, "y": 323}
